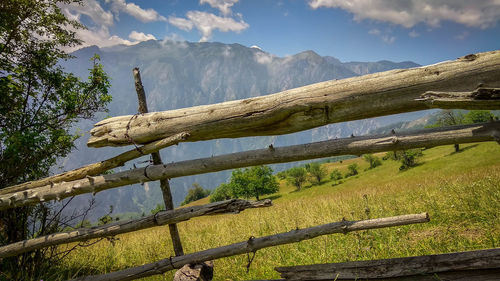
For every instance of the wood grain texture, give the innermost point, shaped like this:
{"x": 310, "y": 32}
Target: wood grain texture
{"x": 99, "y": 167}
{"x": 347, "y": 146}
{"x": 307, "y": 107}
{"x": 254, "y": 244}
{"x": 160, "y": 218}
{"x": 448, "y": 264}
{"x": 164, "y": 184}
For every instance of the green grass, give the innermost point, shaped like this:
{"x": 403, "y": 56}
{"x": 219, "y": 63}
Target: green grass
{"x": 460, "y": 191}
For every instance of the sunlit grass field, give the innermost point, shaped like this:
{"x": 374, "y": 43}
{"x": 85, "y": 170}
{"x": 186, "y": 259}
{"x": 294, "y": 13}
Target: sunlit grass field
{"x": 460, "y": 191}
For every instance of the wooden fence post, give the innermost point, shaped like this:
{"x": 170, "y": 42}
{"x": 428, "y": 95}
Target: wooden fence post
{"x": 164, "y": 184}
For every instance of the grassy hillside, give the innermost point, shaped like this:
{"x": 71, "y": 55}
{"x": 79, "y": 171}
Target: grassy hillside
{"x": 461, "y": 192}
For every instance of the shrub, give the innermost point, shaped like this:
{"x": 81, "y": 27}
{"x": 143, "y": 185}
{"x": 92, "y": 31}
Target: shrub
{"x": 221, "y": 193}
{"x": 373, "y": 160}
{"x": 195, "y": 193}
{"x": 409, "y": 158}
{"x": 317, "y": 171}
{"x": 335, "y": 175}
{"x": 352, "y": 170}
{"x": 297, "y": 176}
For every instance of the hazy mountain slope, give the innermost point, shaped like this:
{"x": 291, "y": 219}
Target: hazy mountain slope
{"x": 184, "y": 74}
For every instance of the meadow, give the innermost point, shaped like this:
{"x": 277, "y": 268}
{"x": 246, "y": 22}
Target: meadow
{"x": 460, "y": 191}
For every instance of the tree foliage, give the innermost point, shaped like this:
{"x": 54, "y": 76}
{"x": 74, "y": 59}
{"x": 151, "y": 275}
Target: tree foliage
{"x": 40, "y": 102}
{"x": 373, "y": 160}
{"x": 297, "y": 176}
{"x": 409, "y": 158}
{"x": 196, "y": 192}
{"x": 335, "y": 175}
{"x": 352, "y": 170}
{"x": 221, "y": 193}
{"x": 317, "y": 171}
{"x": 253, "y": 182}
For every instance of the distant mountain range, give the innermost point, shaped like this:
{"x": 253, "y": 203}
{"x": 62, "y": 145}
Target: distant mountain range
{"x": 183, "y": 74}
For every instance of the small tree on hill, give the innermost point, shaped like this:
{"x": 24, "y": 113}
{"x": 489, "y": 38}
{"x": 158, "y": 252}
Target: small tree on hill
{"x": 335, "y": 175}
{"x": 221, "y": 193}
{"x": 196, "y": 192}
{"x": 478, "y": 116}
{"x": 352, "y": 170}
{"x": 253, "y": 182}
{"x": 297, "y": 176}
{"x": 409, "y": 158}
{"x": 317, "y": 171}
{"x": 373, "y": 160}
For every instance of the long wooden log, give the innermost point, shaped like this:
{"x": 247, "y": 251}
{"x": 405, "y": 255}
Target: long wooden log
{"x": 160, "y": 218}
{"x": 164, "y": 184}
{"x": 254, "y": 244}
{"x": 379, "y": 94}
{"x": 99, "y": 167}
{"x": 397, "y": 267}
{"x": 347, "y": 146}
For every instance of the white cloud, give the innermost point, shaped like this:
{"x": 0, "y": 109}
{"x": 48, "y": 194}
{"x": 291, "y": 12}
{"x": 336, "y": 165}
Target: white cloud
{"x": 388, "y": 39}
{"x": 206, "y": 23}
{"x": 263, "y": 58}
{"x": 413, "y": 34}
{"x": 180, "y": 23}
{"x": 90, "y": 8}
{"x": 374, "y": 31}
{"x": 134, "y": 10}
{"x": 140, "y": 36}
{"x": 223, "y": 5}
{"x": 477, "y": 13}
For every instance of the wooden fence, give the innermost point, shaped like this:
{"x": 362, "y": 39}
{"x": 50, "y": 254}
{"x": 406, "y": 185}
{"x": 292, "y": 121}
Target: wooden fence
{"x": 470, "y": 82}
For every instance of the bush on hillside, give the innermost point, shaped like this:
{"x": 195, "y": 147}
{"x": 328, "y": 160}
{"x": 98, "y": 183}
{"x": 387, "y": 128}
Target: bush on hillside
{"x": 352, "y": 170}
{"x": 335, "y": 175}
{"x": 373, "y": 160}
{"x": 195, "y": 193}
{"x": 316, "y": 171}
{"x": 221, "y": 193}
{"x": 297, "y": 176}
{"x": 409, "y": 158}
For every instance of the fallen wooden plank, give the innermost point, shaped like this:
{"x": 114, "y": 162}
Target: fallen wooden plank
{"x": 347, "y": 146}
{"x": 160, "y": 218}
{"x": 414, "y": 267}
{"x": 254, "y": 244}
{"x": 307, "y": 107}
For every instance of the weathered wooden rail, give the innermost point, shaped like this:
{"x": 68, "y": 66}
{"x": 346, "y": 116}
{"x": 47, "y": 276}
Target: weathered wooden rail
{"x": 471, "y": 82}
{"x": 107, "y": 230}
{"x": 255, "y": 244}
{"x": 378, "y": 94}
{"x": 356, "y": 145}
{"x": 471, "y": 265}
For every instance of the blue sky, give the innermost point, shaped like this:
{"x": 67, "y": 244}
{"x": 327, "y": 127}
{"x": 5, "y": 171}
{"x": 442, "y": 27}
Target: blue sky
{"x": 423, "y": 31}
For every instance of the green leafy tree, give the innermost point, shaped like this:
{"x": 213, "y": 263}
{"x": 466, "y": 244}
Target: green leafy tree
{"x": 39, "y": 104}
{"x": 335, "y": 175}
{"x": 373, "y": 160}
{"x": 352, "y": 170}
{"x": 195, "y": 193}
{"x": 317, "y": 171}
{"x": 84, "y": 224}
{"x": 449, "y": 118}
{"x": 409, "y": 158}
{"x": 297, "y": 176}
{"x": 253, "y": 182}
{"x": 221, "y": 193}
{"x": 478, "y": 116}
